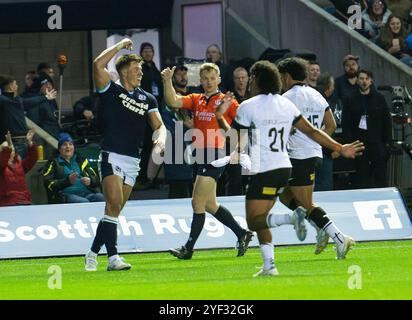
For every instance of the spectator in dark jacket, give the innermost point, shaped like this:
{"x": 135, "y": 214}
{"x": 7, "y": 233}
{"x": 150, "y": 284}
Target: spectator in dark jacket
{"x": 214, "y": 55}
{"x": 12, "y": 114}
{"x": 28, "y": 81}
{"x": 69, "y": 178}
{"x": 366, "y": 118}
{"x": 324, "y": 173}
{"x": 151, "y": 80}
{"x": 347, "y": 84}
{"x": 86, "y": 108}
{"x": 46, "y": 113}
{"x": 178, "y": 173}
{"x": 13, "y": 187}
{"x": 152, "y": 83}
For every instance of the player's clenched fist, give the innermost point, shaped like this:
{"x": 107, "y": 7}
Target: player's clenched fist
{"x": 167, "y": 73}
{"x": 125, "y": 44}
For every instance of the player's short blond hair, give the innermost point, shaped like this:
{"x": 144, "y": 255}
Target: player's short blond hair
{"x": 125, "y": 61}
{"x": 209, "y": 67}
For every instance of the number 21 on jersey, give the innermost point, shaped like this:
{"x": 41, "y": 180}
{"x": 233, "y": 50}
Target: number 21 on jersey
{"x": 277, "y": 134}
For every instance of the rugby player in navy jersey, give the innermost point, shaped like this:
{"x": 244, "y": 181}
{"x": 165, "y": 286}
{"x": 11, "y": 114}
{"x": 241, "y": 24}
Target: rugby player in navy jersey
{"x": 125, "y": 111}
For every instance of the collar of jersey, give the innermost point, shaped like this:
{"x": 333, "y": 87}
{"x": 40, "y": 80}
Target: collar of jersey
{"x": 210, "y": 97}
{"x": 302, "y": 84}
{"x": 120, "y": 84}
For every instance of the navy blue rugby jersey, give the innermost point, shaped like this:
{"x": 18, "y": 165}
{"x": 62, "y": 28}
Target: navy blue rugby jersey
{"x": 123, "y": 117}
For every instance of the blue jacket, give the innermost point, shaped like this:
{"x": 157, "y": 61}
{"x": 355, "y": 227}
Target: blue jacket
{"x": 175, "y": 171}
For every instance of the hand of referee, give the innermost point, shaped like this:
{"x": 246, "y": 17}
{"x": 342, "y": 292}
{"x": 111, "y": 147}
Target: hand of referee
{"x": 167, "y": 74}
{"x": 352, "y": 150}
{"x": 224, "y": 104}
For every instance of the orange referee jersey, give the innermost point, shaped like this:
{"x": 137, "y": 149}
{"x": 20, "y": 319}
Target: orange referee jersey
{"x": 203, "y": 110}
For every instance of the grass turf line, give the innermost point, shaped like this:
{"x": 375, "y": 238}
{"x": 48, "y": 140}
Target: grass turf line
{"x": 217, "y": 274}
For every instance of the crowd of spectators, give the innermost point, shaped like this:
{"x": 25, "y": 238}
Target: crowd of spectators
{"x": 70, "y": 178}
{"x": 387, "y": 23}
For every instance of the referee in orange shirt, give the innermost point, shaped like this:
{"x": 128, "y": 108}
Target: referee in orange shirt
{"x": 212, "y": 143}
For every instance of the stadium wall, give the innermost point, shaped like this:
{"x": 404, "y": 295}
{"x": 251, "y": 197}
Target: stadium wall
{"x": 21, "y": 52}
{"x": 157, "y": 225}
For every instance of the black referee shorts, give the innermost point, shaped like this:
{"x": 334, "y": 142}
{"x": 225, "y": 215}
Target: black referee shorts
{"x": 204, "y": 168}
{"x": 268, "y": 185}
{"x": 303, "y": 171}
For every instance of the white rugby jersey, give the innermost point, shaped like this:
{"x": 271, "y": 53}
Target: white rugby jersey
{"x": 270, "y": 119}
{"x": 312, "y": 106}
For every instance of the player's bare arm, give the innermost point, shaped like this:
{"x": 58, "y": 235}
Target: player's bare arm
{"x": 100, "y": 74}
{"x": 329, "y": 122}
{"x": 171, "y": 98}
{"x": 347, "y": 150}
{"x": 159, "y": 130}
{"x": 222, "y": 108}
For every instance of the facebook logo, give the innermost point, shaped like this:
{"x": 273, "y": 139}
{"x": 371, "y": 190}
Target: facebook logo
{"x": 377, "y": 215}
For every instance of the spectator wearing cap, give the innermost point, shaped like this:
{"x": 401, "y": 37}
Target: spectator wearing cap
{"x": 375, "y": 18}
{"x": 13, "y": 187}
{"x": 152, "y": 83}
{"x": 68, "y": 178}
{"x": 12, "y": 112}
{"x": 178, "y": 173}
{"x": 180, "y": 80}
{"x": 46, "y": 113}
{"x": 346, "y": 85}
{"x": 151, "y": 79}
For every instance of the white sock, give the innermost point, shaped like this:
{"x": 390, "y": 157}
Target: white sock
{"x": 332, "y": 230}
{"x": 112, "y": 258}
{"x": 268, "y": 255}
{"x": 110, "y": 219}
{"x": 91, "y": 253}
{"x": 276, "y": 220}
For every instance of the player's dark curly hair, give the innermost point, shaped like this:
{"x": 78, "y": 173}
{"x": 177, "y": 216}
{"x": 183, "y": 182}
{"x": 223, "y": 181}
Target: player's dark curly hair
{"x": 267, "y": 77}
{"x": 125, "y": 60}
{"x": 296, "y": 67}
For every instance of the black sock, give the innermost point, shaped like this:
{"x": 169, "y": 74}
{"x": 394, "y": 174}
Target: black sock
{"x": 196, "y": 228}
{"x": 98, "y": 239}
{"x": 225, "y": 217}
{"x": 292, "y": 205}
{"x": 109, "y": 227}
{"x": 319, "y": 217}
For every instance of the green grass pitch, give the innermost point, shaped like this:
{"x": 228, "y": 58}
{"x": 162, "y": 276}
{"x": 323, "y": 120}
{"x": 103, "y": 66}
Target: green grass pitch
{"x": 386, "y": 273}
